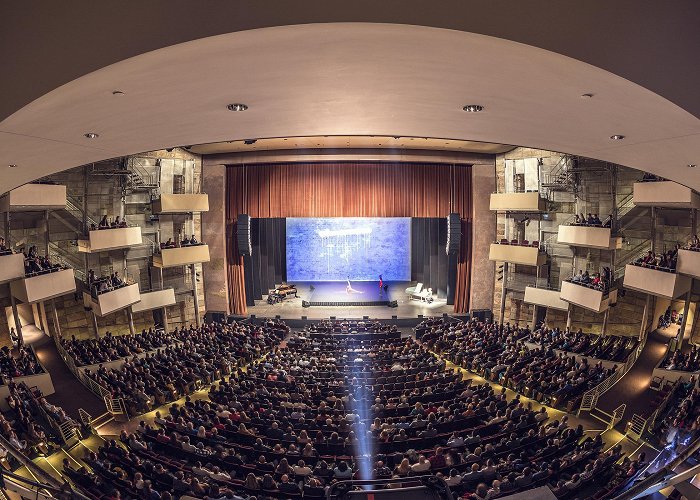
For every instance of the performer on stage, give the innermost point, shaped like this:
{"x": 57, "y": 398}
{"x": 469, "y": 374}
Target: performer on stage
{"x": 381, "y": 285}
{"x": 349, "y": 289}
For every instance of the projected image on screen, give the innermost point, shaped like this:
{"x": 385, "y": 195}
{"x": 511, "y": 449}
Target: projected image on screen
{"x": 354, "y": 248}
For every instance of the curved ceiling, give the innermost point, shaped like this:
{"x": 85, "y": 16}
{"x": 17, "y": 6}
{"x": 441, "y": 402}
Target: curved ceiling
{"x": 349, "y": 79}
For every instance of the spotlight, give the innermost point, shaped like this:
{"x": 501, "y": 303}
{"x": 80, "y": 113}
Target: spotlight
{"x": 250, "y": 141}
{"x": 587, "y": 95}
{"x": 237, "y": 106}
{"x": 12, "y": 165}
{"x": 91, "y": 135}
{"x": 473, "y": 108}
{"x": 617, "y": 137}
{"x": 117, "y": 92}
{"x": 690, "y": 165}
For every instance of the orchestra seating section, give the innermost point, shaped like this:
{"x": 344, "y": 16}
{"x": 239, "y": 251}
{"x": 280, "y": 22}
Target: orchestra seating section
{"x": 290, "y": 425}
{"x": 293, "y": 412}
{"x": 501, "y": 356}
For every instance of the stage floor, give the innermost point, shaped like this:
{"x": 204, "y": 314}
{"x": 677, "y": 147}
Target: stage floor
{"x": 335, "y": 292}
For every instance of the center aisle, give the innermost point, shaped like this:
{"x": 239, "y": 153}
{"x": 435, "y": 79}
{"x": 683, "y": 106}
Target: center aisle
{"x": 70, "y": 393}
{"x": 633, "y": 388}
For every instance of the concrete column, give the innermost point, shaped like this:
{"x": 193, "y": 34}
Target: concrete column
{"x": 198, "y": 317}
{"x": 44, "y": 321}
{"x": 56, "y": 323}
{"x": 686, "y": 307}
{"x": 606, "y": 316}
{"x": 653, "y": 229}
{"x": 95, "y": 326}
{"x": 18, "y": 323}
{"x": 7, "y": 229}
{"x": 46, "y": 233}
{"x": 130, "y": 318}
{"x": 568, "y": 318}
{"x": 534, "y": 316}
{"x": 645, "y": 318}
{"x": 504, "y": 291}
{"x": 166, "y": 327}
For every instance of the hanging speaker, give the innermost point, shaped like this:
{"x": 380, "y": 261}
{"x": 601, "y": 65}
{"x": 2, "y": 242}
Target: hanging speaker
{"x": 245, "y": 246}
{"x": 454, "y": 233}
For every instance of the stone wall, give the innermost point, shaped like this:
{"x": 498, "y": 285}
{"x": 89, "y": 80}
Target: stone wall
{"x": 104, "y": 189}
{"x": 600, "y": 187}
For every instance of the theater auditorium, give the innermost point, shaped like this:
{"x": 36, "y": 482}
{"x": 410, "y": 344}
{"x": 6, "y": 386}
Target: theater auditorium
{"x": 349, "y": 250}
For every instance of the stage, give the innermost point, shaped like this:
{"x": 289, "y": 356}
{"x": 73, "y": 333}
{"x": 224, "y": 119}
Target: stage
{"x": 331, "y": 299}
{"x": 336, "y": 293}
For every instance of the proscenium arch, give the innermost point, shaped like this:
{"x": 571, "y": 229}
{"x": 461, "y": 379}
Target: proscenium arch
{"x": 349, "y": 79}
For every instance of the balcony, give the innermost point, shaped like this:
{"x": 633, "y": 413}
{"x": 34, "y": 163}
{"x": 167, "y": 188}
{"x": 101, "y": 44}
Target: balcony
{"x": 181, "y": 203}
{"x": 653, "y": 281}
{"x": 181, "y": 256}
{"x": 101, "y": 240}
{"x": 517, "y": 202}
{"x": 155, "y": 300}
{"x": 33, "y": 197}
{"x": 688, "y": 262}
{"x": 44, "y": 286}
{"x": 664, "y": 194}
{"x": 545, "y": 298}
{"x": 526, "y": 255}
{"x": 115, "y": 300}
{"x": 11, "y": 267}
{"x": 588, "y": 237}
{"x": 588, "y": 298}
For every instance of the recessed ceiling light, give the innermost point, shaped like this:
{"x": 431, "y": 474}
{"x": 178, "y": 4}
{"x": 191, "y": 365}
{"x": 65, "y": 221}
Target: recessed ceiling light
{"x": 237, "y": 106}
{"x": 117, "y": 92}
{"x": 91, "y": 135}
{"x": 12, "y": 165}
{"x": 473, "y": 108}
{"x": 690, "y": 165}
{"x": 617, "y": 137}
{"x": 586, "y": 96}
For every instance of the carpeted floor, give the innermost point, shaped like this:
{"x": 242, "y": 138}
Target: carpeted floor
{"x": 70, "y": 393}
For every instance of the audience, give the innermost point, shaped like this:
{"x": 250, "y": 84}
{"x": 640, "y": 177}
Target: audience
{"x": 18, "y": 362}
{"x": 598, "y": 281}
{"x": 608, "y": 347}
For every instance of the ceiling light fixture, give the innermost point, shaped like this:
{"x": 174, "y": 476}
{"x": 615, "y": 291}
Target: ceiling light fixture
{"x": 237, "y": 106}
{"x": 12, "y": 165}
{"x": 692, "y": 165}
{"x": 587, "y": 95}
{"x": 117, "y": 92}
{"x": 617, "y": 137}
{"x": 473, "y": 108}
{"x": 91, "y": 135}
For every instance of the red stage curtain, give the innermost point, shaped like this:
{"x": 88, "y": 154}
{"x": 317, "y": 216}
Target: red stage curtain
{"x": 235, "y": 182}
{"x": 347, "y": 190}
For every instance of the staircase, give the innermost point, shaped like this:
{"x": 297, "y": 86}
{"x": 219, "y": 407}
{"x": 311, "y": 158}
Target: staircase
{"x": 561, "y": 178}
{"x": 136, "y": 178}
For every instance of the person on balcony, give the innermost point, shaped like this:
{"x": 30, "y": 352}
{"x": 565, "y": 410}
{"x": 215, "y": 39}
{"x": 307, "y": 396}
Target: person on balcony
{"x": 104, "y": 223}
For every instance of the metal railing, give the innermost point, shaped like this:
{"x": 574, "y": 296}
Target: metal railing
{"x": 638, "y": 425}
{"x": 590, "y": 397}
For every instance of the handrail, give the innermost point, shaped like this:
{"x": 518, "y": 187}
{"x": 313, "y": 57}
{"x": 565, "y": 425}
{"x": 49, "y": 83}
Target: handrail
{"x": 26, "y": 488}
{"x": 638, "y": 425}
{"x": 590, "y": 397}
